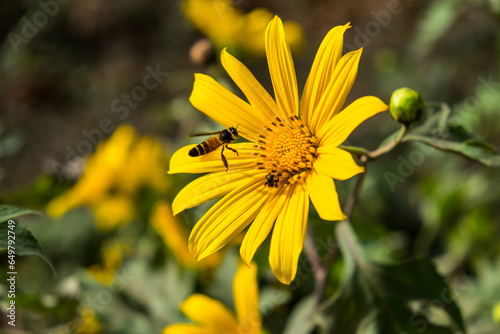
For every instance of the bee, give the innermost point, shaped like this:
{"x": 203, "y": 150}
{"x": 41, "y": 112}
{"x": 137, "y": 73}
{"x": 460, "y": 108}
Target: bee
{"x": 272, "y": 180}
{"x": 222, "y": 138}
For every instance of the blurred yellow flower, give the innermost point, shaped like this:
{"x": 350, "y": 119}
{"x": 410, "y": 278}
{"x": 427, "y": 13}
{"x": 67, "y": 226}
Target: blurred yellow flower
{"x": 89, "y": 324}
{"x": 175, "y": 238}
{"x": 496, "y": 313}
{"x": 113, "y": 211}
{"x": 228, "y": 26}
{"x": 112, "y": 257}
{"x": 113, "y": 177}
{"x": 291, "y": 158}
{"x": 212, "y": 317}
{"x": 144, "y": 166}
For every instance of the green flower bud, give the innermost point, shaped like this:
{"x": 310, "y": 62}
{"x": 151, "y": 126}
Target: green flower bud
{"x": 407, "y": 105}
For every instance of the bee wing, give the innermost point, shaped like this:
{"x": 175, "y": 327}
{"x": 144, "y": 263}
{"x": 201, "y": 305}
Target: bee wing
{"x": 204, "y": 134}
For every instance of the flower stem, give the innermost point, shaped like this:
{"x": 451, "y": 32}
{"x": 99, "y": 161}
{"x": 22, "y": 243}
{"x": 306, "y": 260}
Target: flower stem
{"x": 321, "y": 271}
{"x": 313, "y": 257}
{"x": 370, "y": 155}
{"x": 389, "y": 146}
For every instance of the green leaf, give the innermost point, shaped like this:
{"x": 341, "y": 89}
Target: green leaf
{"x": 9, "y": 211}
{"x": 302, "y": 319}
{"x": 25, "y": 242}
{"x": 438, "y": 20}
{"x": 375, "y": 298}
{"x": 63, "y": 308}
{"x": 441, "y": 131}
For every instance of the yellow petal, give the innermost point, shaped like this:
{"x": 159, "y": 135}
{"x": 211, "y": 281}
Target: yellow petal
{"x": 114, "y": 211}
{"x": 227, "y": 218}
{"x": 209, "y": 312}
{"x": 288, "y": 235}
{"x": 181, "y": 162}
{"x": 263, "y": 104}
{"x": 282, "y": 70}
{"x": 321, "y": 74}
{"x": 187, "y": 329}
{"x": 336, "y": 131}
{"x": 336, "y": 92}
{"x": 224, "y": 107}
{"x": 172, "y": 233}
{"x": 261, "y": 226}
{"x": 324, "y": 197}
{"x": 208, "y": 187}
{"x": 89, "y": 323}
{"x": 246, "y": 299}
{"x": 336, "y": 163}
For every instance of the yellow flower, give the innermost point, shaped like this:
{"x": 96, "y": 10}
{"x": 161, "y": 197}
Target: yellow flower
{"x": 88, "y": 324}
{"x": 298, "y": 146}
{"x": 227, "y": 25}
{"x": 496, "y": 313}
{"x": 112, "y": 257}
{"x": 212, "y": 317}
{"x": 144, "y": 166}
{"x": 114, "y": 176}
{"x": 113, "y": 211}
{"x": 99, "y": 176}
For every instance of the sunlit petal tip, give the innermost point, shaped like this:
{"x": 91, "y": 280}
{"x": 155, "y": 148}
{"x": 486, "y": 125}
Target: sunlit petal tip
{"x": 336, "y": 163}
{"x": 209, "y": 312}
{"x": 274, "y": 21}
{"x": 223, "y": 54}
{"x": 223, "y": 106}
{"x": 337, "y": 218}
{"x": 324, "y": 196}
{"x": 192, "y": 247}
{"x": 245, "y": 257}
{"x": 198, "y": 76}
{"x": 285, "y": 277}
{"x": 263, "y": 105}
{"x": 281, "y": 69}
{"x": 201, "y": 256}
{"x": 340, "y": 127}
{"x": 176, "y": 208}
{"x": 197, "y": 253}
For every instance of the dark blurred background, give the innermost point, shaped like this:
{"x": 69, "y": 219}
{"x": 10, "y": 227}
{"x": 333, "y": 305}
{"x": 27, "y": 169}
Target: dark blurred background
{"x": 64, "y": 79}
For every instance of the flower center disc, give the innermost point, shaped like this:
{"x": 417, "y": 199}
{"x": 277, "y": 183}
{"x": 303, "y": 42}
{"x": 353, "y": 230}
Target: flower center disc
{"x": 289, "y": 150}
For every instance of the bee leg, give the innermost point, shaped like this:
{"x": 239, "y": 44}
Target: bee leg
{"x": 224, "y": 160}
{"x": 232, "y": 149}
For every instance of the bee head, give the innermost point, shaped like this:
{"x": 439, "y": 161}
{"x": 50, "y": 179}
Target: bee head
{"x": 234, "y": 131}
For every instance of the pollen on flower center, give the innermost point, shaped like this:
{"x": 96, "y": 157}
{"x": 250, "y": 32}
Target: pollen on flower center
{"x": 288, "y": 150}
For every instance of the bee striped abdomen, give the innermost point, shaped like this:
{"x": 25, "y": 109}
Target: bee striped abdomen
{"x": 207, "y": 146}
